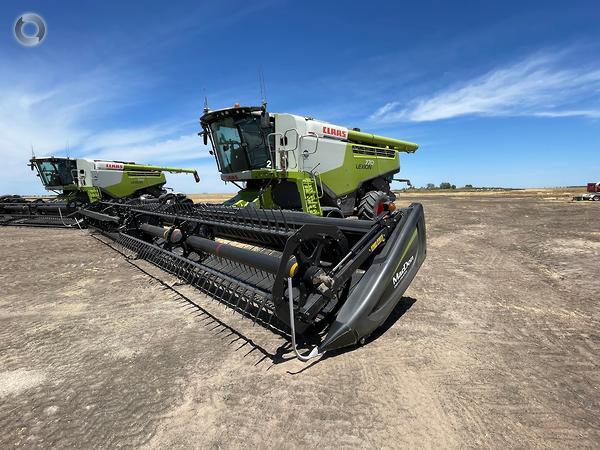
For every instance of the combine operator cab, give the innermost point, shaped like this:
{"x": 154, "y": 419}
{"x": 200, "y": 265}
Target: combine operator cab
{"x": 55, "y": 173}
{"x": 241, "y": 138}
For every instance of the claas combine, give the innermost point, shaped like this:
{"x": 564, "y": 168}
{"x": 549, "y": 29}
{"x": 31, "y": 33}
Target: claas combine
{"x": 79, "y": 182}
{"x": 299, "y": 163}
{"x": 284, "y": 250}
{"x": 312, "y": 246}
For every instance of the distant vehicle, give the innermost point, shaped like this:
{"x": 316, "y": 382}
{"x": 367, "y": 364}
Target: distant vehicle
{"x": 593, "y": 193}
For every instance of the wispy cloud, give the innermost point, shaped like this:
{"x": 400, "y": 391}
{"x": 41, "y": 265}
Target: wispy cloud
{"x": 593, "y": 113}
{"x": 541, "y": 85}
{"x": 49, "y": 117}
{"x": 123, "y": 138}
{"x": 183, "y": 148}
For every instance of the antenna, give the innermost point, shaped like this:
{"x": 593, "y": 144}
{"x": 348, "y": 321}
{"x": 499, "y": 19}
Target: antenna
{"x": 265, "y": 119}
{"x": 205, "y": 104}
{"x": 263, "y": 88}
{"x": 67, "y": 148}
{"x": 32, "y": 152}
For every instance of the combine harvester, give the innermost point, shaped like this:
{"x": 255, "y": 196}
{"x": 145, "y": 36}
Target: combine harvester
{"x": 293, "y": 162}
{"x": 79, "y": 182}
{"x": 281, "y": 251}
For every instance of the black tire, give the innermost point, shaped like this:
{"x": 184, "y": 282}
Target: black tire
{"x": 596, "y": 198}
{"x": 371, "y": 205}
{"x": 167, "y": 198}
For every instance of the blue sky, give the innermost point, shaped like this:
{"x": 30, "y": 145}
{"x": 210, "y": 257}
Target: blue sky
{"x": 496, "y": 93}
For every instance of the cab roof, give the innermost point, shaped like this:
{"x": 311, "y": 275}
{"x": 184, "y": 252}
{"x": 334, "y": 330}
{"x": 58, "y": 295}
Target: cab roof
{"x": 211, "y": 116}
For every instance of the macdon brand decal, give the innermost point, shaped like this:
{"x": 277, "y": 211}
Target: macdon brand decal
{"x": 400, "y": 274}
{"x": 334, "y": 132}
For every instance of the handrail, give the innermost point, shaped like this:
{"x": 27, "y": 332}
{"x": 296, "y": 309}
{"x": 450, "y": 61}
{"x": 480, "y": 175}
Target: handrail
{"x": 307, "y": 152}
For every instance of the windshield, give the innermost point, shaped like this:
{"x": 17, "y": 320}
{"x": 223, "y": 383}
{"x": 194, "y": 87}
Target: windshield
{"x": 56, "y": 172}
{"x": 240, "y": 144}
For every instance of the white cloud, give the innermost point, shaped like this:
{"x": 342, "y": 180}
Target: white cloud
{"x": 541, "y": 85}
{"x": 187, "y": 147}
{"x": 31, "y": 118}
{"x": 53, "y": 116}
{"x": 120, "y": 138}
{"x": 595, "y": 114}
{"x": 386, "y": 109}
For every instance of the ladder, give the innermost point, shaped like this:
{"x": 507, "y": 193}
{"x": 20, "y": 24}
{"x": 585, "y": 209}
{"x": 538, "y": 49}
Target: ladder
{"x": 309, "y": 195}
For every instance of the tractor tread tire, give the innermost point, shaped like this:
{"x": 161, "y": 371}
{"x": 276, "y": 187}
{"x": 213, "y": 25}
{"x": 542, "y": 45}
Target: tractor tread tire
{"x": 367, "y": 208}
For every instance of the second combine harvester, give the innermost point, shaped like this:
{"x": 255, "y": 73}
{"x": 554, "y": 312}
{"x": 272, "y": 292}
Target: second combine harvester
{"x": 78, "y": 182}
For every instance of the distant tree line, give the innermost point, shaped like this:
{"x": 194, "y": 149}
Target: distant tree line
{"x": 442, "y": 185}
{"x": 445, "y": 185}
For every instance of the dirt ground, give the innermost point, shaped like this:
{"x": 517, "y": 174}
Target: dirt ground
{"x": 497, "y": 345}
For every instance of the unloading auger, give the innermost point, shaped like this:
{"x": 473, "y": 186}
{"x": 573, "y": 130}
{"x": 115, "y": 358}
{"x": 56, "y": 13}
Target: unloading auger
{"x": 307, "y": 276}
